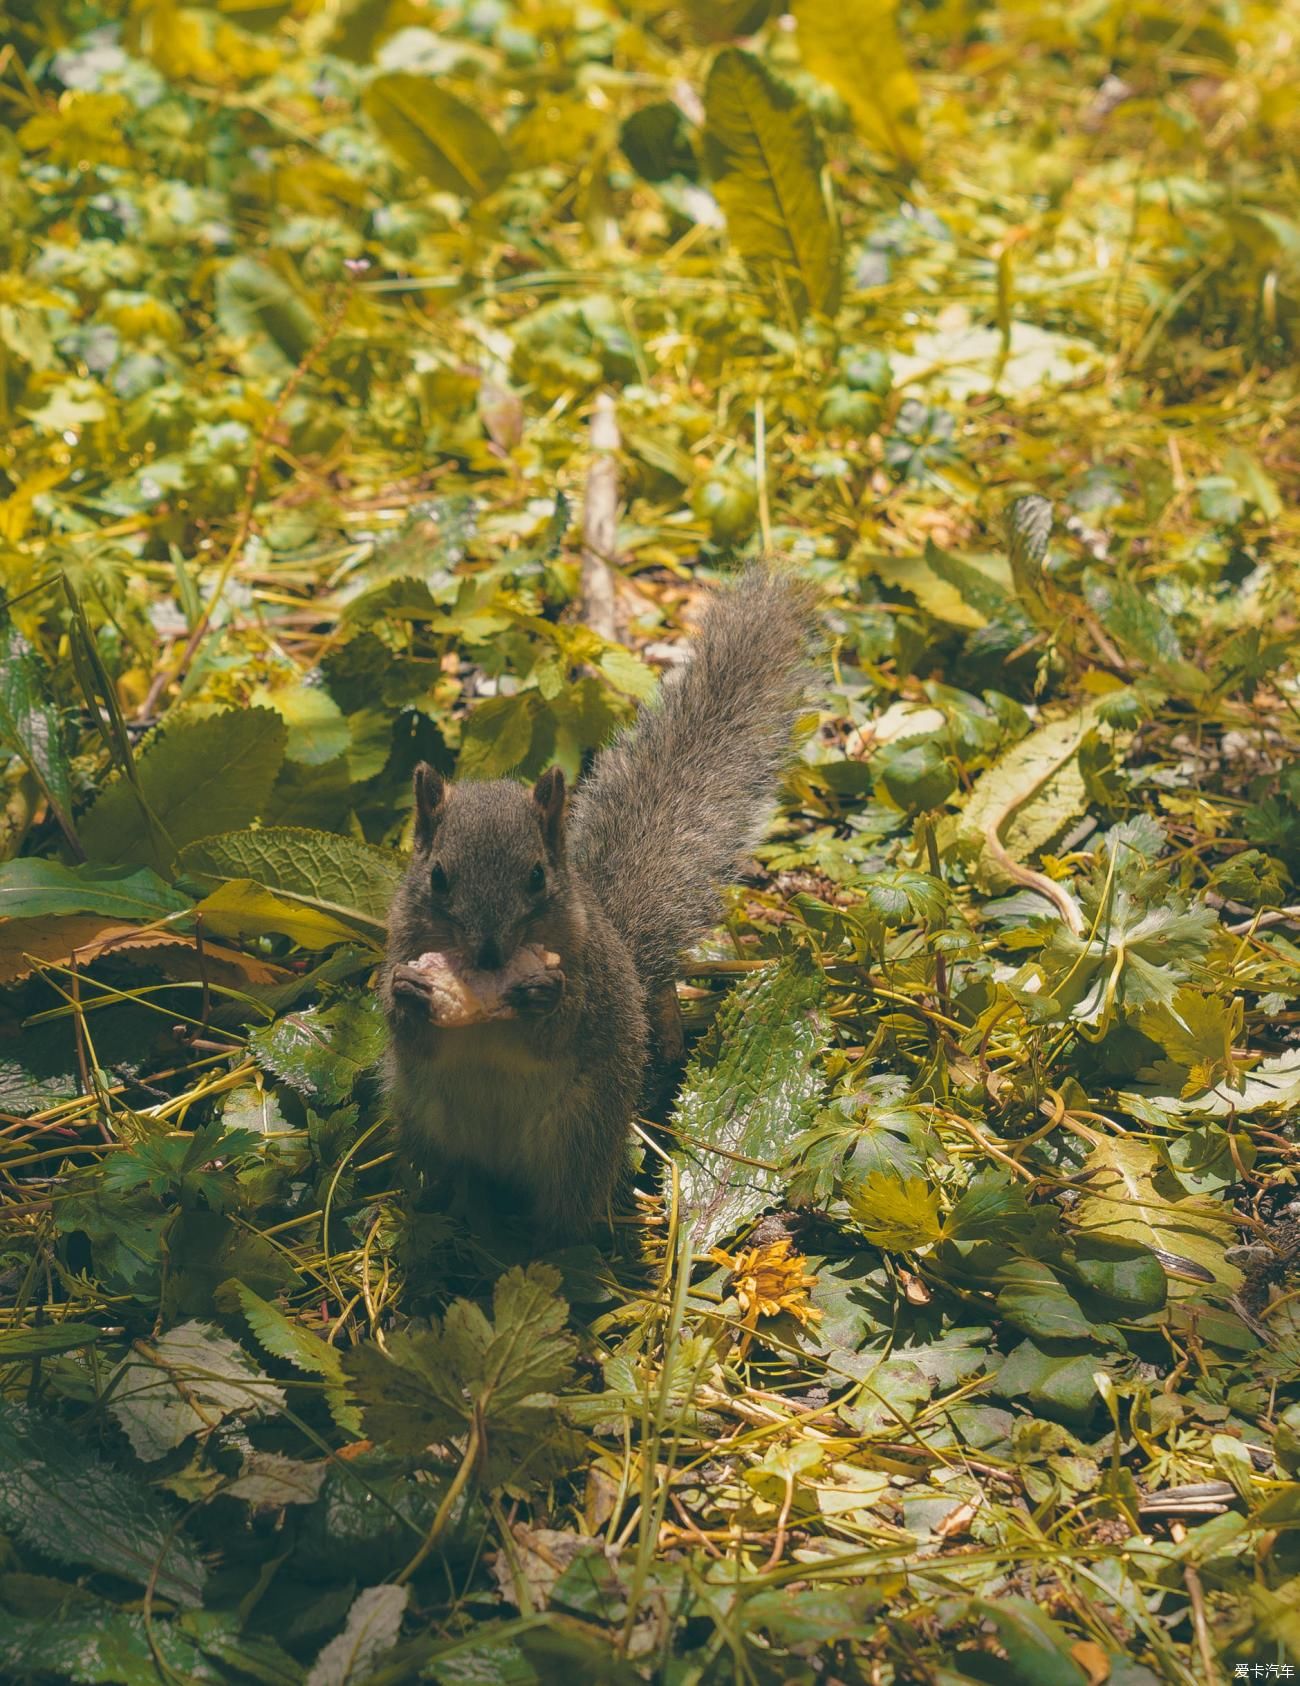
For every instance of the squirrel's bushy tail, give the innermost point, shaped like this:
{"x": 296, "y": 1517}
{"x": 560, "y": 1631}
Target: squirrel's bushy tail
{"x": 671, "y": 808}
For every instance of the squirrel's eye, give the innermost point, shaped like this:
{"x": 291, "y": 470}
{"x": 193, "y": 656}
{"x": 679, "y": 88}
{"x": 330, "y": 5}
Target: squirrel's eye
{"x": 537, "y": 879}
{"x": 438, "y": 880}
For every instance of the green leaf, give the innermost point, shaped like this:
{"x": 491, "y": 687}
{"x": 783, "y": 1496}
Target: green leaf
{"x": 322, "y": 1051}
{"x": 1124, "y": 1198}
{"x": 294, "y": 1344}
{"x": 769, "y": 175}
{"x": 1057, "y": 1386}
{"x": 32, "y": 888}
{"x": 497, "y": 736}
{"x": 500, "y": 1374}
{"x": 373, "y": 1625}
{"x": 854, "y": 46}
{"x": 186, "y": 1382}
{"x": 1131, "y": 957}
{"x": 43, "y": 1342}
{"x": 61, "y": 1500}
{"x": 30, "y": 726}
{"x": 437, "y": 135}
{"x": 329, "y": 871}
{"x": 318, "y": 731}
{"x": 917, "y": 776}
{"x": 1125, "y": 1274}
{"x": 1032, "y": 1298}
{"x": 749, "y": 1089}
{"x": 1037, "y": 1649}
{"x": 897, "y": 1214}
{"x": 198, "y": 776}
{"x": 267, "y": 318}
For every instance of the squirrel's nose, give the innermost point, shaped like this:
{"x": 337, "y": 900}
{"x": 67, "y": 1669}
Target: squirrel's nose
{"x": 489, "y": 956}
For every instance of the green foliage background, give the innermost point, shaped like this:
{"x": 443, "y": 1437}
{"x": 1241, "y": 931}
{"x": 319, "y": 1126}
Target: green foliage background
{"x": 985, "y": 314}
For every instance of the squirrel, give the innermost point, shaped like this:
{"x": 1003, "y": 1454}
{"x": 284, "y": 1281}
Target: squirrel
{"x": 539, "y": 1103}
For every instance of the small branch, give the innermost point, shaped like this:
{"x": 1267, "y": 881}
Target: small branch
{"x": 600, "y": 521}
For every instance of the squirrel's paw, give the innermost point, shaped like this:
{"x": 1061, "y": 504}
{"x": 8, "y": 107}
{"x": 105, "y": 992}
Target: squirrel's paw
{"x": 537, "y": 996}
{"x": 410, "y": 992}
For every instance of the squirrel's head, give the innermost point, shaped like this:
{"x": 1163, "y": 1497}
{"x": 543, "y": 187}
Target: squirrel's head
{"x": 489, "y": 861}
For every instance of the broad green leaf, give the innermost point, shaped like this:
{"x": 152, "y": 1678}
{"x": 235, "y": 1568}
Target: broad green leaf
{"x": 854, "y": 45}
{"x": 30, "y": 726}
{"x": 268, "y": 319}
{"x": 1059, "y": 1386}
{"x": 186, "y": 1382}
{"x": 749, "y": 1089}
{"x": 1125, "y": 1274}
{"x": 437, "y": 135}
{"x": 32, "y": 888}
{"x": 373, "y": 1625}
{"x": 240, "y": 908}
{"x": 198, "y": 775}
{"x": 329, "y": 871}
{"x": 59, "y": 1498}
{"x": 916, "y": 776}
{"x": 322, "y": 1051}
{"x": 1032, "y": 1298}
{"x": 1037, "y": 1648}
{"x": 769, "y": 175}
{"x": 1123, "y": 1198}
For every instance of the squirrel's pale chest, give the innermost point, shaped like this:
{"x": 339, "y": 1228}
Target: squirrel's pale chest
{"x": 482, "y": 1096}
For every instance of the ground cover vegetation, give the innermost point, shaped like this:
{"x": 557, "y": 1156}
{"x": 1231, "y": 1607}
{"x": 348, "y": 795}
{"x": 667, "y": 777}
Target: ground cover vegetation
{"x": 954, "y": 1333}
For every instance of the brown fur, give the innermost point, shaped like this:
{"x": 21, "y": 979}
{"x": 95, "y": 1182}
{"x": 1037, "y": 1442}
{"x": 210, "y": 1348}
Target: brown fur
{"x": 541, "y": 1103}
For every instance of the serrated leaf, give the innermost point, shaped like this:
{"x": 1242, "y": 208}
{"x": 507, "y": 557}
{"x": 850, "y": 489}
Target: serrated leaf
{"x": 749, "y": 1089}
{"x": 1027, "y": 797}
{"x": 373, "y": 1625}
{"x": 897, "y": 1214}
{"x": 198, "y": 776}
{"x": 1130, "y": 958}
{"x": 32, "y": 888}
{"x": 497, "y": 736}
{"x": 58, "y": 1498}
{"x": 267, "y": 318}
{"x": 330, "y": 871}
{"x": 437, "y": 135}
{"x": 854, "y": 46}
{"x": 30, "y": 726}
{"x": 186, "y": 1382}
{"x": 500, "y": 1374}
{"x": 322, "y": 1051}
{"x": 287, "y": 1340}
{"x": 769, "y": 176}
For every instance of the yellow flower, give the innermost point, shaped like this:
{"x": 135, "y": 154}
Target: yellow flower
{"x": 768, "y": 1280}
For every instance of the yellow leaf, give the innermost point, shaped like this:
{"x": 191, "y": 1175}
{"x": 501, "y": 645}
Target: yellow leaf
{"x": 242, "y": 908}
{"x": 853, "y": 45}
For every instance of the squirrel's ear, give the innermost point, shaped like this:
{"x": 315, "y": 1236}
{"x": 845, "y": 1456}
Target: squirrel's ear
{"x": 548, "y": 793}
{"x": 430, "y": 800}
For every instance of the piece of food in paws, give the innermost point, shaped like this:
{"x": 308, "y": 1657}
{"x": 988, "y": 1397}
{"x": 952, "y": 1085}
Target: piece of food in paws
{"x": 460, "y": 994}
